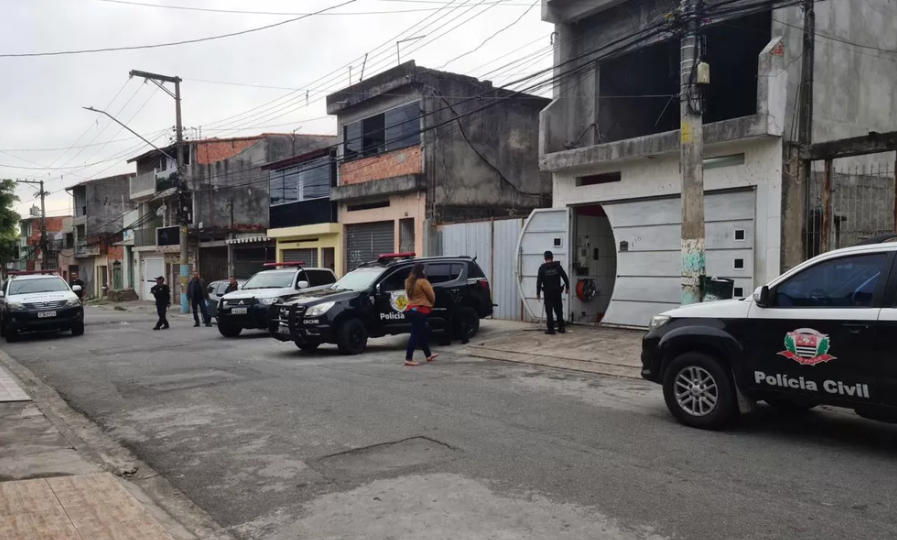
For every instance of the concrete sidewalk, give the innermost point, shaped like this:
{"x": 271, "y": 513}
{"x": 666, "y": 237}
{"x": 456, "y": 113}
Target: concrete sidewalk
{"x": 607, "y": 351}
{"x": 54, "y": 487}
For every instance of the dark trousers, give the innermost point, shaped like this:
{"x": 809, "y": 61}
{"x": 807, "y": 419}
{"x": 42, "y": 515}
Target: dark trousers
{"x": 163, "y": 321}
{"x": 199, "y": 305}
{"x": 420, "y": 334}
{"x": 554, "y": 306}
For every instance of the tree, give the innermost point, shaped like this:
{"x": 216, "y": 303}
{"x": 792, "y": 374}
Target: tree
{"x": 9, "y": 221}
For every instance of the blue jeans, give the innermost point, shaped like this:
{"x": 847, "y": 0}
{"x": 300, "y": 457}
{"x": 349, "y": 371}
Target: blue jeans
{"x": 202, "y": 307}
{"x": 420, "y": 334}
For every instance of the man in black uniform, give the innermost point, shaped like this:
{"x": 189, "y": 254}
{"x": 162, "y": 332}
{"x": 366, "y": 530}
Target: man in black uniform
{"x": 162, "y": 293}
{"x": 77, "y": 281}
{"x": 550, "y": 275}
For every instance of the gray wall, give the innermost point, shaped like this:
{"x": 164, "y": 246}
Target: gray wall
{"x": 107, "y": 199}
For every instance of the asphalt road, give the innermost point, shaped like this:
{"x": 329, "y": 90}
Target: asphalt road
{"x": 278, "y": 444}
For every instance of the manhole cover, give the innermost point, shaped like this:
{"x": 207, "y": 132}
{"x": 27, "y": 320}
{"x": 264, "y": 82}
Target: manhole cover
{"x": 387, "y": 457}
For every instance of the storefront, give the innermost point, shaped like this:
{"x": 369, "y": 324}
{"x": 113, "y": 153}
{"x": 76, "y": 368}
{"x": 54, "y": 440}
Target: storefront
{"x": 315, "y": 245}
{"x": 391, "y": 225}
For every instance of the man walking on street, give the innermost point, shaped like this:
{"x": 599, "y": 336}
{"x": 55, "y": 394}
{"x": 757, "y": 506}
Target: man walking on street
{"x": 549, "y": 280}
{"x": 162, "y": 294}
{"x": 198, "y": 296}
{"x": 76, "y": 281}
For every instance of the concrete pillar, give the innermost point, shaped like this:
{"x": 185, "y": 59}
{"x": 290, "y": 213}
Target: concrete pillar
{"x": 794, "y": 192}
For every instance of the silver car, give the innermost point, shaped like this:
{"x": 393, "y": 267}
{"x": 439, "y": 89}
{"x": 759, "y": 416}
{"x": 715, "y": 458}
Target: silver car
{"x": 216, "y": 291}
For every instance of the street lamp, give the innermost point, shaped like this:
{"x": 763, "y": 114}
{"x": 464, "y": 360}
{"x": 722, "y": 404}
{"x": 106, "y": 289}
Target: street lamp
{"x": 398, "y": 54}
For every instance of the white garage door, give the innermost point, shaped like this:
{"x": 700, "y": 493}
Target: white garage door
{"x": 545, "y": 229}
{"x": 648, "y": 271}
{"x": 153, "y": 267}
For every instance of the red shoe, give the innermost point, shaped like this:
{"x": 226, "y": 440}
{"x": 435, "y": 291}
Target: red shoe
{"x": 432, "y": 357}
{"x": 411, "y": 363}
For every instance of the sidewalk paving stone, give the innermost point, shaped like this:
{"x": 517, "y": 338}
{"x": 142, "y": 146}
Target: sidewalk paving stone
{"x": 9, "y": 390}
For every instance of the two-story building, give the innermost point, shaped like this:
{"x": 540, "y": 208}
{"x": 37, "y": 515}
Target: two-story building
{"x": 610, "y": 140}
{"x": 303, "y": 218}
{"x": 31, "y": 256}
{"x": 406, "y": 166}
{"x": 99, "y": 209}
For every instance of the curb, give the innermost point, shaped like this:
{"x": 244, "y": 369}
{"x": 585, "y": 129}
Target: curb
{"x": 177, "y": 514}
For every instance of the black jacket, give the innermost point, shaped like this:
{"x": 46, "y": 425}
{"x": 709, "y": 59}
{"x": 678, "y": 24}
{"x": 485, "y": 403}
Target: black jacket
{"x": 550, "y": 276}
{"x": 231, "y": 287}
{"x": 162, "y": 293}
{"x": 78, "y": 282}
{"x": 196, "y": 290}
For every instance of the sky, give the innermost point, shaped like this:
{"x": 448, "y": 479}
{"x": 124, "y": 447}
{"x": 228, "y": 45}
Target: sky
{"x": 45, "y": 134}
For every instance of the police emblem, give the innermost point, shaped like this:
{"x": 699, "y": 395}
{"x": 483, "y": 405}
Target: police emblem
{"x": 807, "y": 347}
{"x": 399, "y": 301}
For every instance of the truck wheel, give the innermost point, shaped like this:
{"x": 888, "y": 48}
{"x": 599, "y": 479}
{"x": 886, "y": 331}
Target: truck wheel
{"x": 308, "y": 347}
{"x": 352, "y": 337}
{"x": 790, "y": 405}
{"x": 228, "y": 330}
{"x": 467, "y": 321}
{"x": 78, "y": 328}
{"x": 699, "y": 391}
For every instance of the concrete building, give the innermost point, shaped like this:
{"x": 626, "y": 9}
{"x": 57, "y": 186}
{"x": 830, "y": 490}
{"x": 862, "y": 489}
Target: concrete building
{"x": 610, "y": 139}
{"x": 230, "y": 200}
{"x": 31, "y": 256}
{"x": 405, "y": 166}
{"x": 303, "y": 218}
{"x": 99, "y": 209}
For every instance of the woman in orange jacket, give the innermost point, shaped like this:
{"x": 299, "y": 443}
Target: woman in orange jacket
{"x": 420, "y": 302}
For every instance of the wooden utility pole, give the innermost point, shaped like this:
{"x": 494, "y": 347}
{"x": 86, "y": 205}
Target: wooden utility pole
{"x": 43, "y": 223}
{"x": 691, "y": 155}
{"x": 183, "y": 194}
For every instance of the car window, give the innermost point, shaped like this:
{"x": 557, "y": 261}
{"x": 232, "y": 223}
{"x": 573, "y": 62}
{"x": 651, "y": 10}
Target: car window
{"x": 396, "y": 280}
{"x": 474, "y": 270}
{"x": 276, "y": 279}
{"x": 31, "y": 286}
{"x": 843, "y": 282}
{"x": 319, "y": 277}
{"x": 443, "y": 272}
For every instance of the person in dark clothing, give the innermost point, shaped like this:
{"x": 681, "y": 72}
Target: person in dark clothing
{"x": 76, "y": 281}
{"x": 198, "y": 295}
{"x": 232, "y": 286}
{"x": 551, "y": 274}
{"x": 162, "y": 293}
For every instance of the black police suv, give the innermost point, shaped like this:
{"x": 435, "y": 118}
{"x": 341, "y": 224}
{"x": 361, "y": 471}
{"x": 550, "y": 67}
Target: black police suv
{"x": 822, "y": 333}
{"x": 370, "y": 302}
{"x": 39, "y": 302}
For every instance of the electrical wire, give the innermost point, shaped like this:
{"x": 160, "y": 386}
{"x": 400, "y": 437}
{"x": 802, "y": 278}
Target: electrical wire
{"x": 485, "y": 41}
{"x": 282, "y": 13}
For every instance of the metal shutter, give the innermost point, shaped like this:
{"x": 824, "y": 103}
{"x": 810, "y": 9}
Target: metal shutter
{"x": 308, "y": 256}
{"x": 365, "y": 242}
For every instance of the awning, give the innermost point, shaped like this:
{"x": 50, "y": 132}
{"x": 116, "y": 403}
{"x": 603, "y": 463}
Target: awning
{"x": 249, "y": 239}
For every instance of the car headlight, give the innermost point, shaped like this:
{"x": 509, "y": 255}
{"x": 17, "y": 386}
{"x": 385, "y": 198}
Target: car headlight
{"x": 269, "y": 301}
{"x": 319, "y": 309}
{"x": 72, "y": 302}
{"x": 657, "y": 321}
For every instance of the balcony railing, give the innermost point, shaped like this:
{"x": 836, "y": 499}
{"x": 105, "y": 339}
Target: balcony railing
{"x": 143, "y": 185}
{"x": 302, "y": 213}
{"x": 145, "y": 237}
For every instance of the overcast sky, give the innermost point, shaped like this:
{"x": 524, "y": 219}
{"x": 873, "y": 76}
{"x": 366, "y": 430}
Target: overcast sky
{"x": 41, "y": 98}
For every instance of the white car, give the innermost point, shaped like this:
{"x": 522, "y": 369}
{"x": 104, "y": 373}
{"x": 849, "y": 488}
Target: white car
{"x": 39, "y": 302}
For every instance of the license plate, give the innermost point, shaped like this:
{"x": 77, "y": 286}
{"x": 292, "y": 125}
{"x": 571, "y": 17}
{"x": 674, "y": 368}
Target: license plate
{"x": 239, "y": 311}
{"x": 45, "y": 314}
{"x": 283, "y": 329}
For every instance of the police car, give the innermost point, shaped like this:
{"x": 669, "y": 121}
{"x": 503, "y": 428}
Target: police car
{"x": 823, "y": 333}
{"x": 370, "y": 301}
{"x": 39, "y": 302}
{"x": 248, "y": 307}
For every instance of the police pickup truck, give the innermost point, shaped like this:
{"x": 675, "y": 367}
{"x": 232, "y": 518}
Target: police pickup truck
{"x": 249, "y": 306}
{"x": 370, "y": 302}
{"x": 39, "y": 302}
{"x": 822, "y": 333}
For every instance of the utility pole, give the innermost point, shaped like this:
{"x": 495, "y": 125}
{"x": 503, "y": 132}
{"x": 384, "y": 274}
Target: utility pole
{"x": 805, "y": 127}
{"x": 43, "y": 215}
{"x": 183, "y": 196}
{"x": 691, "y": 154}
{"x": 233, "y": 236}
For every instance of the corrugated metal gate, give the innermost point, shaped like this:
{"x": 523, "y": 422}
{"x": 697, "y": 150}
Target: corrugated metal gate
{"x": 493, "y": 243}
{"x": 366, "y": 241}
{"x": 309, "y": 256}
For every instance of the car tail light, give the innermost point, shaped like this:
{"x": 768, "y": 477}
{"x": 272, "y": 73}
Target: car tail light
{"x": 484, "y": 284}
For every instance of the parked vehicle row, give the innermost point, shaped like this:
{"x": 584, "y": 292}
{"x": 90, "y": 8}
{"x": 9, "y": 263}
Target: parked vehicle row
{"x": 39, "y": 302}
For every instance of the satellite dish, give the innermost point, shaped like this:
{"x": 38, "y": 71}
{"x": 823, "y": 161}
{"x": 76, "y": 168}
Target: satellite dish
{"x": 160, "y": 211}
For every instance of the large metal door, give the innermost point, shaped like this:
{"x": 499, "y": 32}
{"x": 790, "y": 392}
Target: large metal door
{"x": 309, "y": 256}
{"x": 366, "y": 241}
{"x": 153, "y": 267}
{"x": 647, "y": 233}
{"x": 545, "y": 229}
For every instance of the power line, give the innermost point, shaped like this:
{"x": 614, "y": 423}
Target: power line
{"x": 245, "y": 12}
{"x": 174, "y": 43}
{"x": 480, "y": 46}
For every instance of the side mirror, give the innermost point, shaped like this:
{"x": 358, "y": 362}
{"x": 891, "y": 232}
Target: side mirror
{"x": 76, "y": 288}
{"x": 302, "y": 285}
{"x": 761, "y": 296}
{"x": 377, "y": 288}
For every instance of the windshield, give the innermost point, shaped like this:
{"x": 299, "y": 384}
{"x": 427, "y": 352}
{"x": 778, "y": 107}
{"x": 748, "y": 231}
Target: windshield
{"x": 358, "y": 280}
{"x": 270, "y": 280}
{"x": 31, "y": 286}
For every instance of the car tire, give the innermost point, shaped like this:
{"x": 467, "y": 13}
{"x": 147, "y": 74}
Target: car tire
{"x": 790, "y": 405}
{"x": 308, "y": 347}
{"x": 352, "y": 337}
{"x": 78, "y": 328}
{"x": 699, "y": 391}
{"x": 467, "y": 319}
{"x": 229, "y": 330}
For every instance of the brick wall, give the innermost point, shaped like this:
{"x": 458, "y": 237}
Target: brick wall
{"x": 211, "y": 152}
{"x": 116, "y": 253}
{"x": 388, "y": 165}
{"x": 53, "y": 224}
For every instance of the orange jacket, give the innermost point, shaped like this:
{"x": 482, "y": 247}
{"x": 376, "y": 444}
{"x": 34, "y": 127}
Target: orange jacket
{"x": 422, "y": 295}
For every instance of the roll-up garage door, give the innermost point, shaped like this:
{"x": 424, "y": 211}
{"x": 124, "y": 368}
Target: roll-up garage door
{"x": 366, "y": 241}
{"x": 307, "y": 256}
{"x": 647, "y": 233}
